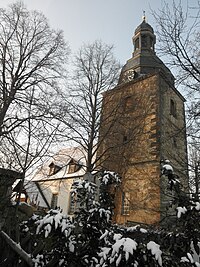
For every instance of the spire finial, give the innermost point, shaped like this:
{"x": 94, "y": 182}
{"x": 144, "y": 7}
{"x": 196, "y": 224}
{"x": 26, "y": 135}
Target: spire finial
{"x": 144, "y": 16}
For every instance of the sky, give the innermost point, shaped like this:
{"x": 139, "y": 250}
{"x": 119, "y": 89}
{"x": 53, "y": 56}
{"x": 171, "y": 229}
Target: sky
{"x": 84, "y": 21}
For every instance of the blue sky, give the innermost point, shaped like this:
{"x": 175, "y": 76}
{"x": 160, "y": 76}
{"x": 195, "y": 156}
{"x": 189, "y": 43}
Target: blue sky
{"x": 83, "y": 21}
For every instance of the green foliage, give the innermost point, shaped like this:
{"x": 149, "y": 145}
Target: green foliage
{"x": 90, "y": 239}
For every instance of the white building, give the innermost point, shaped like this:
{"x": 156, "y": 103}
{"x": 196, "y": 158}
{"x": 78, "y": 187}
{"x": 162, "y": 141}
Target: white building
{"x": 51, "y": 185}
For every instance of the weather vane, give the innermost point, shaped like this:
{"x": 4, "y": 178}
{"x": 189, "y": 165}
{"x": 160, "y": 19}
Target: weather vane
{"x": 144, "y": 16}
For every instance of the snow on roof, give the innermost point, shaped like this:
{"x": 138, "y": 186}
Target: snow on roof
{"x": 61, "y": 159}
{"x": 34, "y": 194}
{"x": 63, "y": 156}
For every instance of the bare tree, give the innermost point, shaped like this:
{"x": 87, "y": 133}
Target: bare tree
{"x": 95, "y": 71}
{"x": 33, "y": 68}
{"x": 194, "y": 169}
{"x": 26, "y": 144}
{"x": 178, "y": 34}
{"x": 32, "y": 72}
{"x": 32, "y": 55}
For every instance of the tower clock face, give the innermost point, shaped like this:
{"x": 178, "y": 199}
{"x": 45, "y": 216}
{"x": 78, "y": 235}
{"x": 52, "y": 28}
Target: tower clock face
{"x": 129, "y": 75}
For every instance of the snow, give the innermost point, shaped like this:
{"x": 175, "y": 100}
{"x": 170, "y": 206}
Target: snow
{"x": 128, "y": 246}
{"x": 184, "y": 259}
{"x": 181, "y": 210}
{"x": 132, "y": 228}
{"x": 105, "y": 179}
{"x": 104, "y": 235}
{"x": 118, "y": 260}
{"x": 102, "y": 212}
{"x": 109, "y": 176}
{"x": 135, "y": 228}
{"x": 189, "y": 258}
{"x": 197, "y": 206}
{"x": 71, "y": 246}
{"x": 61, "y": 261}
{"x": 37, "y": 260}
{"x": 155, "y": 250}
{"x": 95, "y": 259}
{"x": 117, "y": 236}
{"x": 167, "y": 167}
{"x": 47, "y": 229}
{"x": 103, "y": 254}
{"x": 144, "y": 231}
{"x": 57, "y": 219}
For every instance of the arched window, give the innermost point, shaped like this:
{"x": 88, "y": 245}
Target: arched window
{"x": 144, "y": 41}
{"x": 151, "y": 43}
{"x": 137, "y": 44}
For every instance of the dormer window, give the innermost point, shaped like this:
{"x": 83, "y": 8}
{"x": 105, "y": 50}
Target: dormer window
{"x": 73, "y": 166}
{"x": 53, "y": 168}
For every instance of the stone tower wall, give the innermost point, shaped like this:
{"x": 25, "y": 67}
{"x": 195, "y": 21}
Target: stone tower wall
{"x": 134, "y": 147}
{"x": 173, "y": 131}
{"x": 138, "y": 131}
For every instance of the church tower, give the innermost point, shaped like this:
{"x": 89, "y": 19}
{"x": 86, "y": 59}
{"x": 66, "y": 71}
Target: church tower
{"x": 143, "y": 123}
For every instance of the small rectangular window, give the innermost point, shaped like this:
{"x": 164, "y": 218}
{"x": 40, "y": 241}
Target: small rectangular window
{"x": 125, "y": 139}
{"x": 127, "y": 103}
{"x": 54, "y": 200}
{"x": 137, "y": 44}
{"x": 174, "y": 142}
{"x": 73, "y": 166}
{"x": 173, "y": 108}
{"x": 125, "y": 203}
{"x": 144, "y": 41}
{"x": 72, "y": 204}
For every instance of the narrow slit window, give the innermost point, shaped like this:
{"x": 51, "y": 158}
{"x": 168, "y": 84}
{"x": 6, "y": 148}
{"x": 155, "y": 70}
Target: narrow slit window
{"x": 54, "y": 201}
{"x": 144, "y": 41}
{"x": 128, "y": 104}
{"x": 125, "y": 203}
{"x": 125, "y": 139}
{"x": 72, "y": 203}
{"x": 137, "y": 44}
{"x": 173, "y": 108}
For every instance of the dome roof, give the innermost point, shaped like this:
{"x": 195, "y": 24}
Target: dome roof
{"x": 144, "y": 26}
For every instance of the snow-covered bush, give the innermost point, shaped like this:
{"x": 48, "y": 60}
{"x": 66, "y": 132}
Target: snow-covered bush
{"x": 91, "y": 240}
{"x": 52, "y": 238}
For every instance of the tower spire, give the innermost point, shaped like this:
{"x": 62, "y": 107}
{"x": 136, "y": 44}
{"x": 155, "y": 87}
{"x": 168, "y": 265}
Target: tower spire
{"x": 144, "y": 16}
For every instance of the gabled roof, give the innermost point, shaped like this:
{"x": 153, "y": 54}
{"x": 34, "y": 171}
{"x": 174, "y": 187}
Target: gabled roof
{"x": 62, "y": 160}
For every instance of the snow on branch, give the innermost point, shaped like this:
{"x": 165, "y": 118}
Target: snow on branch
{"x": 17, "y": 248}
{"x": 155, "y": 250}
